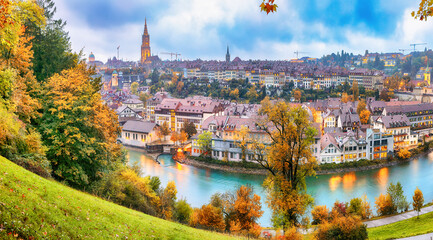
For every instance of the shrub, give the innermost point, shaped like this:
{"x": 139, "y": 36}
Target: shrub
{"x": 342, "y": 228}
{"x": 292, "y": 234}
{"x": 182, "y": 211}
{"x": 208, "y": 217}
{"x": 384, "y": 205}
{"x": 320, "y": 214}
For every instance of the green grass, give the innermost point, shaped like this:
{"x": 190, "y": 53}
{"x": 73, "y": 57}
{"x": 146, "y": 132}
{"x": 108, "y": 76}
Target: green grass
{"x": 405, "y": 228}
{"x": 32, "y": 207}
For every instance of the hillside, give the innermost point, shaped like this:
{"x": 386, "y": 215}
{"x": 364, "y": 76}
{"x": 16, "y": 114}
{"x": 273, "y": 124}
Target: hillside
{"x": 32, "y": 207}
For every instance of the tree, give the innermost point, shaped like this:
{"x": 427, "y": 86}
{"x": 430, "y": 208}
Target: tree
{"x": 164, "y": 129}
{"x": 134, "y": 88}
{"x": 80, "y": 130}
{"x": 234, "y": 94}
{"x": 344, "y": 98}
{"x": 403, "y": 153}
{"x": 208, "y": 217}
{"x": 418, "y": 200}
{"x": 182, "y": 211}
{"x": 287, "y": 157}
{"x": 320, "y": 214}
{"x": 384, "y": 205}
{"x": 425, "y": 10}
{"x": 189, "y": 128}
{"x": 252, "y": 94}
{"x": 247, "y": 209}
{"x": 364, "y": 116}
{"x": 204, "y": 142}
{"x": 397, "y": 196}
{"x": 360, "y": 208}
{"x": 361, "y": 106}
{"x": 168, "y": 200}
{"x": 143, "y": 97}
{"x": 241, "y": 139}
{"x": 297, "y": 94}
{"x": 355, "y": 90}
{"x": 175, "y": 136}
{"x": 183, "y": 136}
{"x": 51, "y": 44}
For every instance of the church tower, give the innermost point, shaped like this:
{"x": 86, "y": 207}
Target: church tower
{"x": 228, "y": 55}
{"x": 145, "y": 47}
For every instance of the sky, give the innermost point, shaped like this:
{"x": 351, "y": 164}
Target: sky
{"x": 203, "y": 28}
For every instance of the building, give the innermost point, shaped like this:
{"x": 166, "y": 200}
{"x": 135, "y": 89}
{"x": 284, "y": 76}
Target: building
{"x": 138, "y": 133}
{"x": 227, "y": 55}
{"x": 399, "y": 127}
{"x": 420, "y": 115}
{"x": 380, "y": 145}
{"x": 125, "y": 113}
{"x": 145, "y": 45}
{"x": 152, "y": 102}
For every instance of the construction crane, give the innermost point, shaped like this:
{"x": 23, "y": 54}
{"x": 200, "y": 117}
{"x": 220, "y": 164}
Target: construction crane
{"x": 402, "y": 50}
{"x": 415, "y": 44}
{"x": 171, "y": 55}
{"x": 297, "y": 54}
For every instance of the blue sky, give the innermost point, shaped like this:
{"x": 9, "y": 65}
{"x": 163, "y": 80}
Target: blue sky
{"x": 203, "y": 28}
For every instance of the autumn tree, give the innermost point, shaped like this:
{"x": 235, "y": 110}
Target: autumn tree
{"x": 241, "y": 139}
{"x": 397, "y": 196}
{"x": 361, "y": 106}
{"x": 168, "y": 200}
{"x": 234, "y": 94}
{"x": 288, "y": 159}
{"x": 208, "y": 217}
{"x": 175, "y": 136}
{"x": 183, "y": 136}
{"x": 80, "y": 130}
{"x": 164, "y": 129}
{"x": 143, "y": 97}
{"x": 204, "y": 142}
{"x": 418, "y": 200}
{"x": 364, "y": 116}
{"x": 344, "y": 98}
{"x": 359, "y": 207}
{"x": 182, "y": 211}
{"x": 252, "y": 94}
{"x": 297, "y": 94}
{"x": 339, "y": 209}
{"x": 384, "y": 205}
{"x": 247, "y": 209}
{"x": 320, "y": 214}
{"x": 425, "y": 10}
{"x": 403, "y": 153}
{"x": 189, "y": 128}
{"x": 134, "y": 88}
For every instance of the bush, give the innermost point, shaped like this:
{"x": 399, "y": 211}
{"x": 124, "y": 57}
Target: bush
{"x": 320, "y": 214}
{"x": 342, "y": 228}
{"x": 182, "y": 211}
{"x": 360, "y": 208}
{"x": 227, "y": 163}
{"x": 384, "y": 205}
{"x": 208, "y": 217}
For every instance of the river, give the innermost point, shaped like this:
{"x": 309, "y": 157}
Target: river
{"x": 197, "y": 185}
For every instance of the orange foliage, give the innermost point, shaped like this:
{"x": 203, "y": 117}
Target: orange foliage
{"x": 320, "y": 214}
{"x": 344, "y": 98}
{"x": 425, "y": 10}
{"x": 208, "y": 217}
{"x": 404, "y": 153}
{"x": 350, "y": 227}
{"x": 292, "y": 234}
{"x": 384, "y": 205}
{"x": 364, "y": 116}
{"x": 418, "y": 200}
{"x": 268, "y": 6}
{"x": 247, "y": 209}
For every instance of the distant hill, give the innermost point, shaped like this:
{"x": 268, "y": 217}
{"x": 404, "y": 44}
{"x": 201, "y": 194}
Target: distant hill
{"x": 32, "y": 207}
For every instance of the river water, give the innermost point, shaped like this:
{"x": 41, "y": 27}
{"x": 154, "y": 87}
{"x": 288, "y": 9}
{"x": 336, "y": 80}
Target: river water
{"x": 197, "y": 185}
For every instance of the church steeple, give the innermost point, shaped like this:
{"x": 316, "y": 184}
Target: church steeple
{"x": 145, "y": 45}
{"x": 228, "y": 54}
{"x": 145, "y": 27}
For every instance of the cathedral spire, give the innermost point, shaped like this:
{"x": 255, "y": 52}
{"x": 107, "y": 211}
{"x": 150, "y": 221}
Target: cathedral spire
{"x": 228, "y": 54}
{"x": 145, "y": 26}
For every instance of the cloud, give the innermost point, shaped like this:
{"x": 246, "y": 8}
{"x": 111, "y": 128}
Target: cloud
{"x": 202, "y": 29}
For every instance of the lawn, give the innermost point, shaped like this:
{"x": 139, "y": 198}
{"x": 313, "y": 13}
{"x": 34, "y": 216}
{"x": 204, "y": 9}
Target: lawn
{"x": 32, "y": 207}
{"x": 405, "y": 228}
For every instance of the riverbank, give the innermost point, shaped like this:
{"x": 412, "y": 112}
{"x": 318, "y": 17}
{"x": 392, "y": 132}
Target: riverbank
{"x": 257, "y": 171}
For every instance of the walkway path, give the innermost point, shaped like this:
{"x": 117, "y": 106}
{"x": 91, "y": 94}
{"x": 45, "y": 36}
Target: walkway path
{"x": 397, "y": 218}
{"x": 428, "y": 236}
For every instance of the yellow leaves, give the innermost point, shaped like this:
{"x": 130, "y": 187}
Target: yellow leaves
{"x": 425, "y": 10}
{"x": 364, "y": 116}
{"x": 404, "y": 153}
{"x": 268, "y": 6}
{"x": 418, "y": 200}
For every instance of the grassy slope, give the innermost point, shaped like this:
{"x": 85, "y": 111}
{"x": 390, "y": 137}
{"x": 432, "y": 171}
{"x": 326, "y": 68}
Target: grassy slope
{"x": 405, "y": 228}
{"x": 44, "y": 209}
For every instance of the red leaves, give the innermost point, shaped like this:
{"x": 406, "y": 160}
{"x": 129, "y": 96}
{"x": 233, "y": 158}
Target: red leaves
{"x": 268, "y": 6}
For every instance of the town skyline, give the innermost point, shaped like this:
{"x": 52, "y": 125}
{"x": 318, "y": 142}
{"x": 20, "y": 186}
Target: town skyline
{"x": 250, "y": 34}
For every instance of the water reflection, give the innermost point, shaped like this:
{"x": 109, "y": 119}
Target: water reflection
{"x": 349, "y": 180}
{"x": 382, "y": 177}
{"x": 334, "y": 182}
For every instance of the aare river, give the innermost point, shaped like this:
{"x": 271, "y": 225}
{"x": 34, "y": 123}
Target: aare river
{"x": 197, "y": 185}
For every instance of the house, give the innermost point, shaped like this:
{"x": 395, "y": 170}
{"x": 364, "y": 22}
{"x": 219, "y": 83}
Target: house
{"x": 380, "y": 145}
{"x": 399, "y": 127}
{"x": 125, "y": 113}
{"x": 330, "y": 151}
{"x": 138, "y": 133}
